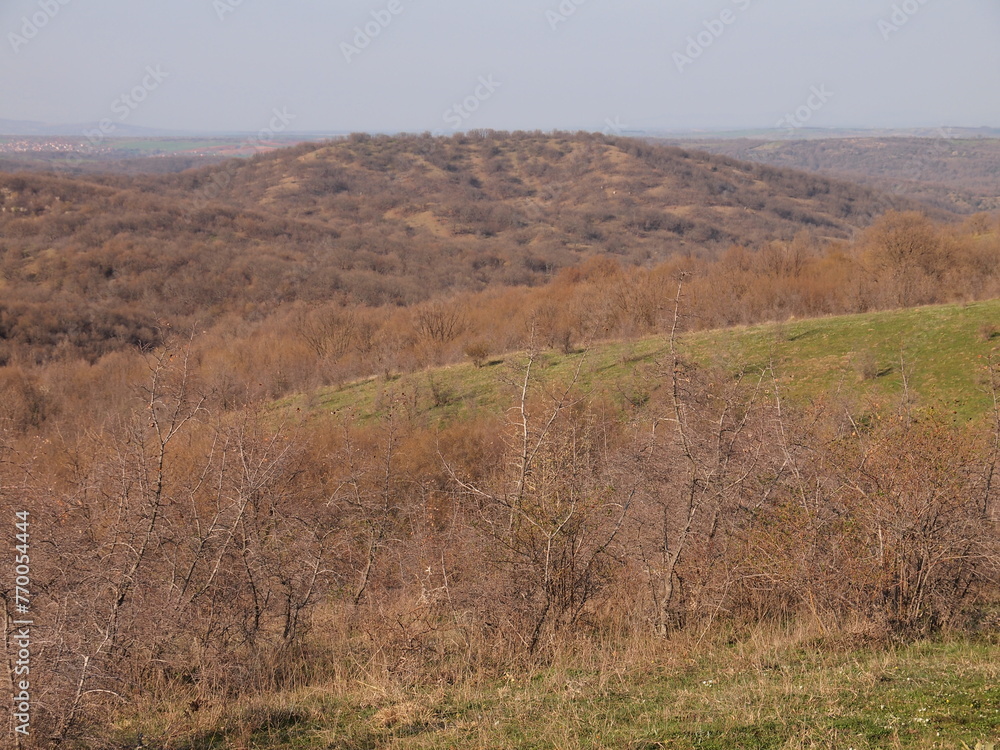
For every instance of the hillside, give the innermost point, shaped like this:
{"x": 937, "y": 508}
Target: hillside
{"x": 376, "y": 221}
{"x": 412, "y": 672}
{"x": 575, "y": 193}
{"x": 953, "y": 173}
{"x": 493, "y": 553}
{"x": 930, "y": 359}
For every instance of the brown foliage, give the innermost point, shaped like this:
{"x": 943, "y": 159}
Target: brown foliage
{"x": 97, "y": 264}
{"x": 202, "y": 543}
{"x": 197, "y": 552}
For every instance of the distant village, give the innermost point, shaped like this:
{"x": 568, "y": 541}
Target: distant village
{"x": 48, "y": 145}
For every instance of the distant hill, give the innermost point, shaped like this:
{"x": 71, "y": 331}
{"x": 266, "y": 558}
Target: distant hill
{"x": 808, "y": 133}
{"x": 378, "y": 221}
{"x": 950, "y": 169}
{"x": 569, "y": 195}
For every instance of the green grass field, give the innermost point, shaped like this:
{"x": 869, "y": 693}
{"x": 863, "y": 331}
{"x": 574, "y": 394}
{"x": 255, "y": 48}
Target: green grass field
{"x": 169, "y": 145}
{"x": 942, "y": 352}
{"x": 767, "y": 692}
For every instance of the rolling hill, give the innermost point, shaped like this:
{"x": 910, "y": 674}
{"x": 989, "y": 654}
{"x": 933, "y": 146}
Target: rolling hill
{"x": 376, "y": 221}
{"x": 588, "y": 192}
{"x": 954, "y": 172}
{"x": 391, "y": 562}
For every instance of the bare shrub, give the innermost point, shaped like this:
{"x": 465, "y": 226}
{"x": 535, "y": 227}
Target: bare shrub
{"x": 549, "y": 516}
{"x": 989, "y": 331}
{"x": 478, "y": 351}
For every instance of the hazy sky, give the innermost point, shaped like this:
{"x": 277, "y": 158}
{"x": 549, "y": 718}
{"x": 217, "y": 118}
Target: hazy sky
{"x": 229, "y": 65}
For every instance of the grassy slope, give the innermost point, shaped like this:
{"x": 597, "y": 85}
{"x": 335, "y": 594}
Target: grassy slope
{"x": 770, "y": 691}
{"x": 759, "y": 693}
{"x": 940, "y": 349}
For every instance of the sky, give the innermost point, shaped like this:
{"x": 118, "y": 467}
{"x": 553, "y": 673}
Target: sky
{"x": 444, "y": 65}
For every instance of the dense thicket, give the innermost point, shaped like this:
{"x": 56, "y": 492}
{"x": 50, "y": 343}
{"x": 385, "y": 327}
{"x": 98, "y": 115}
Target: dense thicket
{"x": 190, "y": 554}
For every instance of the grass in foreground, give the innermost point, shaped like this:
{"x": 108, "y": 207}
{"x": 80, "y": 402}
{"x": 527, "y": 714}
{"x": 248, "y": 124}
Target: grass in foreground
{"x": 750, "y": 696}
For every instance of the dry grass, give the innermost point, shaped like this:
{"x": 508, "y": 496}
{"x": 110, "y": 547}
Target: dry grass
{"x": 806, "y": 686}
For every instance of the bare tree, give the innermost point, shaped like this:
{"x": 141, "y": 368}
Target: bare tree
{"x": 694, "y": 475}
{"x": 439, "y": 322}
{"x": 552, "y": 513}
